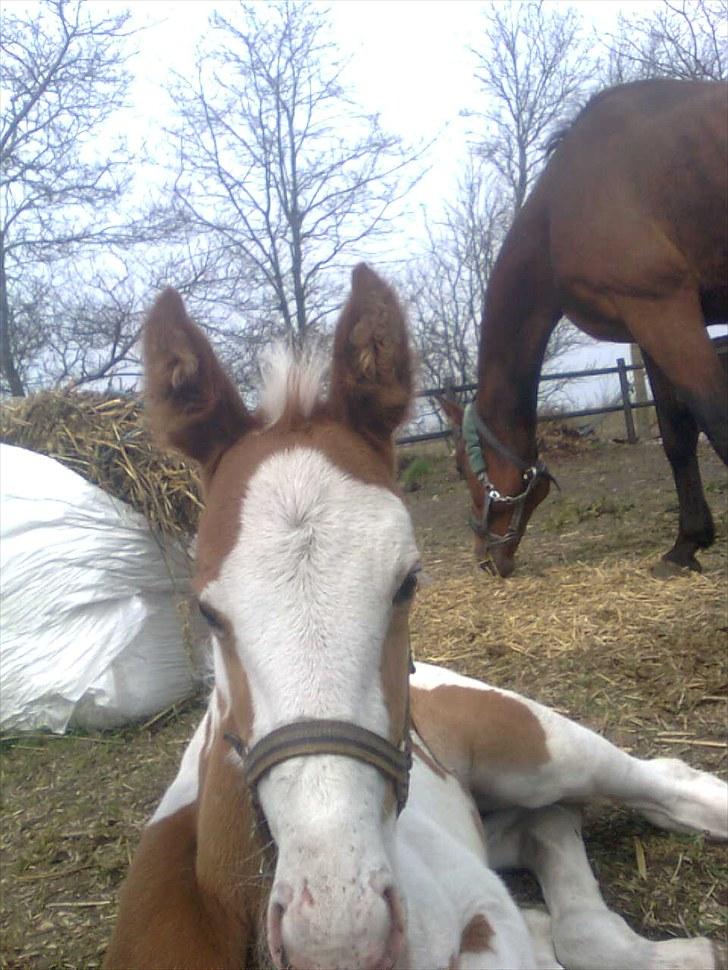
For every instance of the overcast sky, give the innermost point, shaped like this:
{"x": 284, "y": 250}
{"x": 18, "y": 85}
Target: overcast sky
{"x": 409, "y": 61}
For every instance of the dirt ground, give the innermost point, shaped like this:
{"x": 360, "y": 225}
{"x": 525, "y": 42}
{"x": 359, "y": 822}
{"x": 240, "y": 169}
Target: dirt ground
{"x": 73, "y": 807}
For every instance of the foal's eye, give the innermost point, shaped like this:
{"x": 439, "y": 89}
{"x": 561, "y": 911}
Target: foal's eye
{"x": 407, "y": 590}
{"x": 210, "y": 616}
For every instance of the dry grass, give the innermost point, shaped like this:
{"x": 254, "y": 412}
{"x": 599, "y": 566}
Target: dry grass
{"x": 612, "y": 606}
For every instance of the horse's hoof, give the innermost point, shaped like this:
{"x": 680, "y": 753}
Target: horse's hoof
{"x": 666, "y": 568}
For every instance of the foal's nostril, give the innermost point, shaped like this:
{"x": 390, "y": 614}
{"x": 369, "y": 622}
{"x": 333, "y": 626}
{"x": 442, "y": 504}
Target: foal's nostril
{"x": 280, "y": 899}
{"x": 275, "y": 934}
{"x": 315, "y": 928}
{"x": 397, "y": 928}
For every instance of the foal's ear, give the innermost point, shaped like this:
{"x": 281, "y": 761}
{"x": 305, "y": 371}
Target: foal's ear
{"x": 371, "y": 379}
{"x": 453, "y": 412}
{"x": 192, "y": 404}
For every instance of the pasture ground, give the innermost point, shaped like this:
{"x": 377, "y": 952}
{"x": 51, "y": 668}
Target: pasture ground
{"x": 582, "y": 626}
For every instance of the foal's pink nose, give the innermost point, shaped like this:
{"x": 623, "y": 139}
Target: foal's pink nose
{"x": 305, "y": 933}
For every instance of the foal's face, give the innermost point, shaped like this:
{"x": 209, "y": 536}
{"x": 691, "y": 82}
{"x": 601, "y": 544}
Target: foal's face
{"x": 306, "y": 566}
{"x": 308, "y": 598}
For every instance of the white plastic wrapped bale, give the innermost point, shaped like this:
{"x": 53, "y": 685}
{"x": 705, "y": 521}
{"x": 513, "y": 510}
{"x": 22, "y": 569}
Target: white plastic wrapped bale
{"x": 92, "y": 633}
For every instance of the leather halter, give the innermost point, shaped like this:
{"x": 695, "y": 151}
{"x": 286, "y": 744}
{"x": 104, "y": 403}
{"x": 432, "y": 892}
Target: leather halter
{"x": 312, "y": 737}
{"x": 329, "y": 736}
{"x": 530, "y": 473}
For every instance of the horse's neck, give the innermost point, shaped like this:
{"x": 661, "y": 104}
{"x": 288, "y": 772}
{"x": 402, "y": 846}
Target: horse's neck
{"x": 521, "y": 311}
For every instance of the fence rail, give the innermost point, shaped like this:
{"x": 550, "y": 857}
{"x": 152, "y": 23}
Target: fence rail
{"x": 627, "y": 405}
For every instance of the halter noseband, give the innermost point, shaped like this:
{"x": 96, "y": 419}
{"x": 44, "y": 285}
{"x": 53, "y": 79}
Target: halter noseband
{"x": 329, "y": 736}
{"x": 311, "y": 737}
{"x": 530, "y": 476}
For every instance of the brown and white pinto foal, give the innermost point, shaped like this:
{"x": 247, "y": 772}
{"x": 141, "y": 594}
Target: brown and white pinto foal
{"x": 306, "y": 569}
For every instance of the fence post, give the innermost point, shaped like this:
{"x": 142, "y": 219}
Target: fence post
{"x": 626, "y": 403}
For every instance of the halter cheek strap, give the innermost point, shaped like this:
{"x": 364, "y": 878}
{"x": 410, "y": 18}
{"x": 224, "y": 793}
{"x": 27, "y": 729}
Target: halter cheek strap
{"x": 530, "y": 473}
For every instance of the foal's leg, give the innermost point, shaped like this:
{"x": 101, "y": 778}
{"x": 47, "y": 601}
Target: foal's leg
{"x": 191, "y": 898}
{"x": 512, "y": 751}
{"x": 679, "y": 432}
{"x": 587, "y": 935}
{"x": 538, "y": 922}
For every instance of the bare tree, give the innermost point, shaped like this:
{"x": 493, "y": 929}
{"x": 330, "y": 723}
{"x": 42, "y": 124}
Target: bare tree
{"x": 91, "y": 313}
{"x": 445, "y": 290}
{"x": 63, "y": 75}
{"x": 446, "y": 287}
{"x": 534, "y": 67}
{"x": 278, "y": 170}
{"x": 685, "y": 39}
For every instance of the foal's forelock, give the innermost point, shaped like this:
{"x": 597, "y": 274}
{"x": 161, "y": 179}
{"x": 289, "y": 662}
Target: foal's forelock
{"x": 291, "y": 383}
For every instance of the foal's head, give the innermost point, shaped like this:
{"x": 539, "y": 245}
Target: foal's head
{"x": 306, "y": 565}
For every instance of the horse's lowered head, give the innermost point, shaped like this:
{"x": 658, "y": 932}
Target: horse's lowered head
{"x": 504, "y": 490}
{"x": 306, "y": 566}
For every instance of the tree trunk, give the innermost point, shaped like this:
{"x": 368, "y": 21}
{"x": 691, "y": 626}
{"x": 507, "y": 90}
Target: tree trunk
{"x": 7, "y": 361}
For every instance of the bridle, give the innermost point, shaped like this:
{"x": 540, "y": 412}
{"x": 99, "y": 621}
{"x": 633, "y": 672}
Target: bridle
{"x": 329, "y": 736}
{"x": 531, "y": 473}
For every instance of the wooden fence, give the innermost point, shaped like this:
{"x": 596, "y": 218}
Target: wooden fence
{"x": 627, "y": 405}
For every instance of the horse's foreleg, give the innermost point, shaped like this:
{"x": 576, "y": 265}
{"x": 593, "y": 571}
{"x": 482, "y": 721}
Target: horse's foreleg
{"x": 512, "y": 751}
{"x": 679, "y": 432}
{"x": 586, "y": 933}
{"x": 164, "y": 918}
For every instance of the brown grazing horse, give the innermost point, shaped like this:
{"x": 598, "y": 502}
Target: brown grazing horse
{"x": 626, "y": 234}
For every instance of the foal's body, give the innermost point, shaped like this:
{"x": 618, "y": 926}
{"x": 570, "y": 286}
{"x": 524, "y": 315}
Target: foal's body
{"x": 514, "y": 761}
{"x": 306, "y": 571}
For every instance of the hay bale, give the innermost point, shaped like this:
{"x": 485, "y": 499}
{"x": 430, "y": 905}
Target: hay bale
{"x": 103, "y": 438}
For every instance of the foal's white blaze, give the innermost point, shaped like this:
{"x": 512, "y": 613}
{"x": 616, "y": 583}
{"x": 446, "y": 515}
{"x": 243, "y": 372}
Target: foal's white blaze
{"x": 308, "y": 590}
